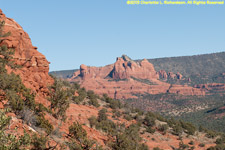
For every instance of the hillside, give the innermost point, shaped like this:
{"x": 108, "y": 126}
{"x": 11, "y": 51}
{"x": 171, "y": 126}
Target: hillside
{"x": 201, "y": 69}
{"x": 205, "y": 64}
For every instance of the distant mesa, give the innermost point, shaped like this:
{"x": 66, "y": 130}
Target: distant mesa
{"x": 126, "y": 78}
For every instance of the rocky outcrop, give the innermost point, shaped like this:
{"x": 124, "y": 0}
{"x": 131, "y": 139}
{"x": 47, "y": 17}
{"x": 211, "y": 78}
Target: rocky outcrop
{"x": 87, "y": 72}
{"x": 184, "y": 90}
{"x": 125, "y": 68}
{"x": 170, "y": 75}
{"x": 179, "y": 76}
{"x": 34, "y": 66}
{"x": 127, "y": 78}
{"x": 218, "y": 87}
{"x": 163, "y": 74}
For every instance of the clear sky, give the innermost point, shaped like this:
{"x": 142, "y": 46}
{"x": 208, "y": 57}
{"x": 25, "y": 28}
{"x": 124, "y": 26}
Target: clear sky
{"x": 95, "y": 32}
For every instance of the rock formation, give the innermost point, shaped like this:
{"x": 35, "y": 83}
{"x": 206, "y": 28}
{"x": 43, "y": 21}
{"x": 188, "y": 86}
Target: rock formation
{"x": 179, "y": 76}
{"x": 219, "y": 87}
{"x": 163, "y": 74}
{"x": 34, "y": 66}
{"x": 126, "y": 68}
{"x": 127, "y": 78}
{"x": 170, "y": 75}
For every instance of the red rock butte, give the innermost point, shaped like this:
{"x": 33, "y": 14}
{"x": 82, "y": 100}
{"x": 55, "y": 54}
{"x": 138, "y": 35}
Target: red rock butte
{"x": 126, "y": 78}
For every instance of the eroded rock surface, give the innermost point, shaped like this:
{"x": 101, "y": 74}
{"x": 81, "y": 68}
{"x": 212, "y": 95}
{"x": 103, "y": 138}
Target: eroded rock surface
{"x": 34, "y": 65}
{"x": 127, "y": 78}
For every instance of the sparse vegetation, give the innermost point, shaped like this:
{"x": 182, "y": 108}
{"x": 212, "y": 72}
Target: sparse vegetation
{"x": 200, "y": 68}
{"x": 163, "y": 128}
{"x": 149, "y": 119}
{"x": 112, "y": 103}
{"x": 19, "y": 97}
{"x": 59, "y": 98}
{"x": 79, "y": 138}
{"x": 92, "y": 98}
{"x": 10, "y": 141}
{"x": 129, "y": 139}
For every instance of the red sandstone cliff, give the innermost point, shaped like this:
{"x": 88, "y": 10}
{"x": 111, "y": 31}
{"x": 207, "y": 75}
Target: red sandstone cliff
{"x": 126, "y": 78}
{"x": 35, "y": 67}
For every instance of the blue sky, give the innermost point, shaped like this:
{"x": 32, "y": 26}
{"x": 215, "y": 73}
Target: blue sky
{"x": 95, "y": 32}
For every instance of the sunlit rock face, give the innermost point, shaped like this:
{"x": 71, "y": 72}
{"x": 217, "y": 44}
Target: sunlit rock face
{"x": 34, "y": 66}
{"x": 126, "y": 78}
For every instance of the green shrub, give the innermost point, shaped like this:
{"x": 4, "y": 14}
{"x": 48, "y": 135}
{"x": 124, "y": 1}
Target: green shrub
{"x": 116, "y": 113}
{"x": 93, "y": 121}
{"x": 80, "y": 136}
{"x": 11, "y": 142}
{"x": 76, "y": 131}
{"x": 189, "y": 128}
{"x": 82, "y": 95}
{"x": 94, "y": 102}
{"x": 91, "y": 94}
{"x": 177, "y": 129}
{"x": 163, "y": 128}
{"x": 75, "y": 86}
{"x": 217, "y": 147}
{"x": 43, "y": 123}
{"x": 201, "y": 145}
{"x": 114, "y": 104}
{"x": 107, "y": 126}
{"x": 210, "y": 134}
{"x": 182, "y": 145}
{"x": 138, "y": 118}
{"x": 191, "y": 143}
{"x": 16, "y": 93}
{"x": 59, "y": 98}
{"x": 4, "y": 120}
{"x": 171, "y": 122}
{"x": 128, "y": 140}
{"x": 39, "y": 142}
{"x": 220, "y": 140}
{"x": 128, "y": 117}
{"x": 102, "y": 115}
{"x": 149, "y": 120}
{"x": 150, "y": 130}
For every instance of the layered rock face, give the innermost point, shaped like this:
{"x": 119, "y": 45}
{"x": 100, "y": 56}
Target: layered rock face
{"x": 34, "y": 66}
{"x": 125, "y": 68}
{"x": 170, "y": 75}
{"x": 87, "y": 72}
{"x": 127, "y": 78}
{"x": 218, "y": 87}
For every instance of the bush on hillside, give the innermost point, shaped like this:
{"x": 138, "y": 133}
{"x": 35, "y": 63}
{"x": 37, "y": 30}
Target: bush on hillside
{"x": 79, "y": 137}
{"x": 59, "y": 98}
